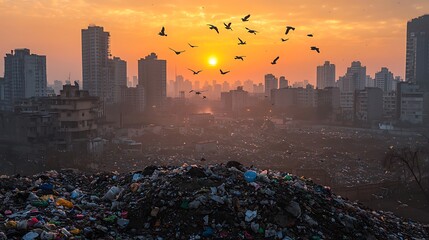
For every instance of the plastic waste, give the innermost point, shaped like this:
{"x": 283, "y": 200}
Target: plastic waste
{"x": 250, "y": 215}
{"x": 75, "y": 194}
{"x": 63, "y": 202}
{"x": 112, "y": 193}
{"x": 250, "y": 176}
{"x": 30, "y": 236}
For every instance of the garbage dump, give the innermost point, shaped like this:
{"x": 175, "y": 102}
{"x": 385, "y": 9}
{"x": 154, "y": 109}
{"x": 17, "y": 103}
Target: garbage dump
{"x": 222, "y": 201}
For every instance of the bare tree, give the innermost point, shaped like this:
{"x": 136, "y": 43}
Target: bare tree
{"x": 411, "y": 161}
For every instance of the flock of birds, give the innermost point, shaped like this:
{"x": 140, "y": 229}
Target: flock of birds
{"x": 240, "y": 42}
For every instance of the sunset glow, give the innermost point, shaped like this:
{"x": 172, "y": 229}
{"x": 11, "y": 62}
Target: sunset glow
{"x": 213, "y": 61}
{"x": 370, "y": 31}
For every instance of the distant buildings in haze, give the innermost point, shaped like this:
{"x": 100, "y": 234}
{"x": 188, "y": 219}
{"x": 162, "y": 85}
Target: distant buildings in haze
{"x": 325, "y": 75}
{"x": 24, "y": 77}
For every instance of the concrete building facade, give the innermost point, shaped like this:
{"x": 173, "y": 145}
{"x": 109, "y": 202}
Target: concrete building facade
{"x": 417, "y": 56}
{"x": 354, "y": 79}
{"x": 271, "y": 82}
{"x": 95, "y": 66}
{"x": 326, "y": 75}
{"x": 384, "y": 80}
{"x": 152, "y": 74}
{"x": 24, "y": 77}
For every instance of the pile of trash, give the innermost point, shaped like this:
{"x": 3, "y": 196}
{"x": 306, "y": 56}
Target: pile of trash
{"x": 187, "y": 202}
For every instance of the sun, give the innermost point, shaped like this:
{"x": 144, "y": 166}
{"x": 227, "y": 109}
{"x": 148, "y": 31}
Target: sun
{"x": 212, "y": 61}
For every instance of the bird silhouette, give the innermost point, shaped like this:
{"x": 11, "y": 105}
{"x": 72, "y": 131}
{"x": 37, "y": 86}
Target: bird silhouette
{"x": 223, "y": 73}
{"x": 315, "y": 49}
{"x": 251, "y": 31}
{"x": 239, "y": 58}
{"x": 204, "y": 97}
{"x": 284, "y": 39}
{"x": 162, "y": 33}
{"x": 246, "y": 18}
{"x": 195, "y": 72}
{"x": 192, "y": 46}
{"x": 199, "y": 92}
{"x": 228, "y": 26}
{"x": 241, "y": 42}
{"x": 203, "y": 159}
{"x": 213, "y": 27}
{"x": 310, "y": 35}
{"x": 177, "y": 52}
{"x": 288, "y": 28}
{"x": 275, "y": 60}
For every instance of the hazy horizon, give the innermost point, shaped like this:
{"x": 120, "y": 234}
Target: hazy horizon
{"x": 371, "y": 32}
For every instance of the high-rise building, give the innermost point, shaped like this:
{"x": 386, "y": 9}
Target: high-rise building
{"x": 326, "y": 75}
{"x": 225, "y": 86}
{"x": 271, "y": 82}
{"x": 248, "y": 85}
{"x": 258, "y": 88}
{"x": 25, "y": 76}
{"x": 369, "y": 81}
{"x": 2, "y": 96}
{"x": 237, "y": 84}
{"x": 178, "y": 85}
{"x": 417, "y": 65}
{"x": 117, "y": 79}
{"x": 384, "y": 80}
{"x": 283, "y": 82}
{"x": 354, "y": 79}
{"x": 153, "y": 77}
{"x": 95, "y": 58}
{"x": 235, "y": 100}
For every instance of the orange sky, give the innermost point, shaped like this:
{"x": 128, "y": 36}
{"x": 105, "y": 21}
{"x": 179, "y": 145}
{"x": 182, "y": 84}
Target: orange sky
{"x": 372, "y": 31}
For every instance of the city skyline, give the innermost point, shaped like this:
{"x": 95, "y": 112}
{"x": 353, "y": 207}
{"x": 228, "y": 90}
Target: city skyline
{"x": 378, "y": 28}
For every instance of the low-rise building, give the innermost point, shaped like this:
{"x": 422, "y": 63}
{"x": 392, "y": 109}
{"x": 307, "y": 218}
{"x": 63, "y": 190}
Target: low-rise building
{"x": 368, "y": 105}
{"x": 347, "y": 100}
{"x": 389, "y": 105}
{"x": 77, "y": 113}
{"x": 410, "y": 108}
{"x": 235, "y": 100}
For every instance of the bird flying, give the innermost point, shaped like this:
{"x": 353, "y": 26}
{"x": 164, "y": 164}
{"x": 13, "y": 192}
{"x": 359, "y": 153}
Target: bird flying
{"x": 162, "y": 33}
{"x": 213, "y": 27}
{"x": 275, "y": 60}
{"x": 310, "y": 35}
{"x": 315, "y": 49}
{"x": 241, "y": 42}
{"x": 228, "y": 26}
{"x": 177, "y": 52}
{"x": 197, "y": 92}
{"x": 192, "y": 46}
{"x": 284, "y": 39}
{"x": 239, "y": 58}
{"x": 195, "y": 72}
{"x": 251, "y": 31}
{"x": 288, "y": 28}
{"x": 204, "y": 97}
{"x": 246, "y": 18}
{"x": 223, "y": 73}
